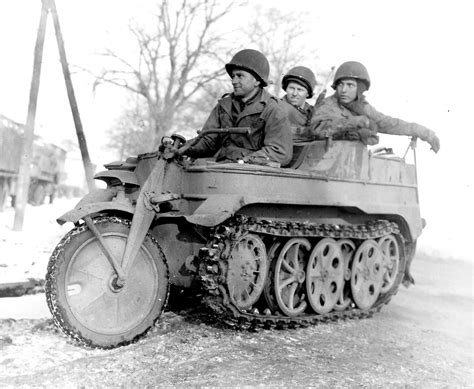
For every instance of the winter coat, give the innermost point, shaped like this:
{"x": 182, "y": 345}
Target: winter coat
{"x": 337, "y": 116}
{"x": 270, "y": 138}
{"x": 299, "y": 117}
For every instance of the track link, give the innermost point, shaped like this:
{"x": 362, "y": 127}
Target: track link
{"x": 215, "y": 257}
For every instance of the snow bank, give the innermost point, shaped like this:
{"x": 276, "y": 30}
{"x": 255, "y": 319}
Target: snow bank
{"x": 25, "y": 254}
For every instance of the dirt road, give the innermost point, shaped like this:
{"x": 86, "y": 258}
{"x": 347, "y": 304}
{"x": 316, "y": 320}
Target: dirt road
{"x": 423, "y": 338}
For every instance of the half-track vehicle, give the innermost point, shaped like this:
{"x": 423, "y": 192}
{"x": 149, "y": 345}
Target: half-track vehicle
{"x": 330, "y": 236}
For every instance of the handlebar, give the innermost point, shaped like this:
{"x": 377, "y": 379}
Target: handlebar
{"x": 202, "y": 133}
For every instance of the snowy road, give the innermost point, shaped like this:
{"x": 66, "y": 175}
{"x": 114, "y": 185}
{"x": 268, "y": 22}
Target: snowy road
{"x": 24, "y": 307}
{"x": 423, "y": 338}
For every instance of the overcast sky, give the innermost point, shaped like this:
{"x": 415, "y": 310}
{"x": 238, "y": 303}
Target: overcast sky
{"x": 418, "y": 54}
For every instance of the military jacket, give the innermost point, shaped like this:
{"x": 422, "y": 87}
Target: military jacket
{"x": 330, "y": 112}
{"x": 270, "y": 138}
{"x": 299, "y": 117}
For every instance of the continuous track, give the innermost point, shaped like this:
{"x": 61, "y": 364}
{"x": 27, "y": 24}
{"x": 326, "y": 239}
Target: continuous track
{"x": 215, "y": 258}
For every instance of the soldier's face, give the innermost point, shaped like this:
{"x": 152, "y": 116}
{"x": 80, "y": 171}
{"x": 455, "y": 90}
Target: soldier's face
{"x": 244, "y": 83}
{"x": 346, "y": 90}
{"x": 296, "y": 94}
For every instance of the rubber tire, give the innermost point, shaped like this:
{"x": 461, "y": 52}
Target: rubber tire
{"x": 57, "y": 294}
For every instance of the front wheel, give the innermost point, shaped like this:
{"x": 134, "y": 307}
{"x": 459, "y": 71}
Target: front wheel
{"x": 82, "y": 293}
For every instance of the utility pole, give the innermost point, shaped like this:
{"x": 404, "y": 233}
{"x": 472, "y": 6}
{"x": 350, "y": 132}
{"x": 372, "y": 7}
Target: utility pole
{"x": 27, "y": 149}
{"x": 72, "y": 99}
{"x": 26, "y": 155}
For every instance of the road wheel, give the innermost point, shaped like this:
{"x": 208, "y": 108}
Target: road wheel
{"x": 347, "y": 248}
{"x": 367, "y": 274}
{"x": 289, "y": 276}
{"x": 82, "y": 293}
{"x": 391, "y": 261}
{"x": 325, "y": 275}
{"x": 248, "y": 270}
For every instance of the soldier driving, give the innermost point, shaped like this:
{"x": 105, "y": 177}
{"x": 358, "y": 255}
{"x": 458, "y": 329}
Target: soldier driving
{"x": 350, "y": 116}
{"x": 248, "y": 106}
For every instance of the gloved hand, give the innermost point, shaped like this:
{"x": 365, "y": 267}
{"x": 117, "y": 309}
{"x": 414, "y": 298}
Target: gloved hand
{"x": 427, "y": 135}
{"x": 368, "y": 137}
{"x": 432, "y": 139}
{"x": 349, "y": 135}
{"x": 359, "y": 121}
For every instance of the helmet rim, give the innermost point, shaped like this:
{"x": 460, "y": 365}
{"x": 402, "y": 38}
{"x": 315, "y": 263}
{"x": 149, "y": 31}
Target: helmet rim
{"x": 352, "y": 70}
{"x": 252, "y": 61}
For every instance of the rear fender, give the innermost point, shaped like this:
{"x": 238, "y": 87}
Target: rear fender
{"x": 97, "y": 201}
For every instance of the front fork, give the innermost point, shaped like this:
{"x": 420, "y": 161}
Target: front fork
{"x": 141, "y": 222}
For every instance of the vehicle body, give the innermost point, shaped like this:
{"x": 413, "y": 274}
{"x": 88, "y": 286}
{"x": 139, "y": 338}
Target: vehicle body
{"x": 331, "y": 236}
{"x": 47, "y": 165}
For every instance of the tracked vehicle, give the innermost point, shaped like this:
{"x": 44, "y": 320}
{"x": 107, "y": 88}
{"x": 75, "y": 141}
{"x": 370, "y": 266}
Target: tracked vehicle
{"x": 330, "y": 236}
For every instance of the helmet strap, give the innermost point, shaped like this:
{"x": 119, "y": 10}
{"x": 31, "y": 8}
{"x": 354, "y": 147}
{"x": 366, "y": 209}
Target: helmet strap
{"x": 361, "y": 88}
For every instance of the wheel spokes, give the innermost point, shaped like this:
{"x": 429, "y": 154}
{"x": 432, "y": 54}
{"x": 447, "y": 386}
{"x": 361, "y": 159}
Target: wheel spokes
{"x": 391, "y": 261}
{"x": 289, "y": 276}
{"x": 285, "y": 282}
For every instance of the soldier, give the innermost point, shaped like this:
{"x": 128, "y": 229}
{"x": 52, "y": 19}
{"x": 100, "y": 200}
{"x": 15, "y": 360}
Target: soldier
{"x": 349, "y": 116}
{"x": 248, "y": 106}
{"x": 298, "y": 84}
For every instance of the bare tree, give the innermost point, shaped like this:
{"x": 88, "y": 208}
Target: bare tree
{"x": 175, "y": 61}
{"x": 130, "y": 133}
{"x": 283, "y": 38}
{"x": 196, "y": 111}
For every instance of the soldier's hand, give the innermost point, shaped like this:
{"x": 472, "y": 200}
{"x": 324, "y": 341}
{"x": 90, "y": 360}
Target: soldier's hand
{"x": 362, "y": 121}
{"x": 430, "y": 137}
{"x": 368, "y": 137}
{"x": 433, "y": 140}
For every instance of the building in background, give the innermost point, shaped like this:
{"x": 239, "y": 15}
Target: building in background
{"x": 52, "y": 172}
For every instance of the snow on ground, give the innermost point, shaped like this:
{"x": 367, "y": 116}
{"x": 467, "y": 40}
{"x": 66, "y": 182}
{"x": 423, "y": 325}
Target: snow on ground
{"x": 25, "y": 254}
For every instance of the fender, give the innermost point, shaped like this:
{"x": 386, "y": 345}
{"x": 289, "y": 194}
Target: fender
{"x": 96, "y": 201}
{"x": 217, "y": 208}
{"x": 124, "y": 176}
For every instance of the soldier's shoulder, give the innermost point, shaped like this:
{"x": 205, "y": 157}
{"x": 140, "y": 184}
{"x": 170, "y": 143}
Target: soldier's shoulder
{"x": 276, "y": 104}
{"x": 332, "y": 99}
{"x": 329, "y": 101}
{"x": 225, "y": 100}
{"x": 226, "y": 97}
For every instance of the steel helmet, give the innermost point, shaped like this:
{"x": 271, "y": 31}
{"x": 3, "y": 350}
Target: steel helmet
{"x": 252, "y": 61}
{"x": 301, "y": 75}
{"x": 352, "y": 69}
